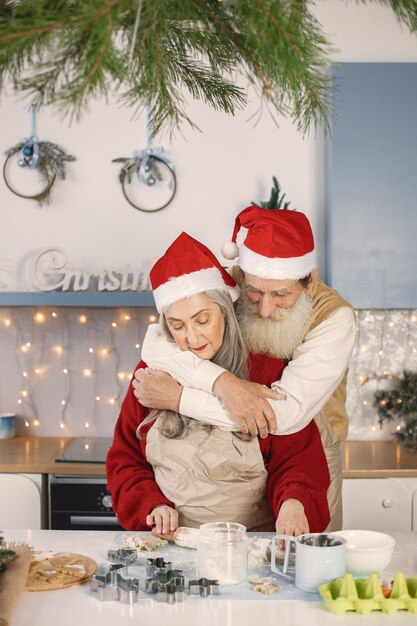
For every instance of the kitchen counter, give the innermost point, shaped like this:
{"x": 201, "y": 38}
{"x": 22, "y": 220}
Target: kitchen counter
{"x": 79, "y": 605}
{"x": 35, "y": 455}
{"x": 378, "y": 459}
{"x": 361, "y": 459}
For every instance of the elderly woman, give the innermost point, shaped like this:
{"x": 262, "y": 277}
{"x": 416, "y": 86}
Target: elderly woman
{"x": 167, "y": 470}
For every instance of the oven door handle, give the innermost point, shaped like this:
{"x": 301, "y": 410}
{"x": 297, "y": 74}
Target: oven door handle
{"x": 82, "y": 520}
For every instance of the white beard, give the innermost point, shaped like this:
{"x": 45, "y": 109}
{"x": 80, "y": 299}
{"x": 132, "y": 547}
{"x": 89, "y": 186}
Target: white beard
{"x": 279, "y": 334}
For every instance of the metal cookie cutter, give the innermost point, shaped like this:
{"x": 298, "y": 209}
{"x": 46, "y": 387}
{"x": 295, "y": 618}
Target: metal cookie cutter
{"x": 157, "y": 566}
{"x": 168, "y": 586}
{"x": 126, "y": 556}
{"x": 204, "y": 587}
{"x": 115, "y": 585}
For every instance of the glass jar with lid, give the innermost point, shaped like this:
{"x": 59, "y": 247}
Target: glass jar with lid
{"x": 222, "y": 552}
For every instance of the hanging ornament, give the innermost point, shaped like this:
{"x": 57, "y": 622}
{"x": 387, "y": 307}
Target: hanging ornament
{"x": 148, "y": 179}
{"x": 47, "y": 158}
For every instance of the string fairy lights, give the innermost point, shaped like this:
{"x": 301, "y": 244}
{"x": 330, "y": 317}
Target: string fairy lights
{"x": 73, "y": 367}
{"x": 26, "y": 358}
{"x": 385, "y": 346}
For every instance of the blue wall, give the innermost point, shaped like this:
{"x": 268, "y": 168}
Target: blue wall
{"x": 372, "y": 185}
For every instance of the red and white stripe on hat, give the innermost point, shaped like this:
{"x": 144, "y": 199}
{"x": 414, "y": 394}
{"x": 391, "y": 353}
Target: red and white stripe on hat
{"x": 187, "y": 268}
{"x": 279, "y": 243}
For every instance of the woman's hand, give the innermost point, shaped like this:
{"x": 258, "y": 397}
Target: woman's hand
{"x": 156, "y": 390}
{"x": 291, "y": 520}
{"x": 164, "y": 518}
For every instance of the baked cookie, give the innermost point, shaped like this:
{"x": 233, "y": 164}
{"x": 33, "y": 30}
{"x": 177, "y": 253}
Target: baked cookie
{"x": 59, "y": 571}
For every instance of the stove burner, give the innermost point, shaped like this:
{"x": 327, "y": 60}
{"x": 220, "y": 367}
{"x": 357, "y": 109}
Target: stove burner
{"x": 86, "y": 450}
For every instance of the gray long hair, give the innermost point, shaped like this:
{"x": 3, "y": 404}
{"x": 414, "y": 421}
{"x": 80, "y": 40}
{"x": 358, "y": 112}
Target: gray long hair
{"x": 232, "y": 356}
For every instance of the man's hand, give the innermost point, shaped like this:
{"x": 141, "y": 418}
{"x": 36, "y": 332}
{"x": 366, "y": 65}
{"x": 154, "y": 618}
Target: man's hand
{"x": 164, "y": 519}
{"x": 247, "y": 402}
{"x": 156, "y": 390}
{"x": 291, "y": 520}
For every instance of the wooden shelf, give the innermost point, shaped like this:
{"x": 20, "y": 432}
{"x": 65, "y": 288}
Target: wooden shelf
{"x": 77, "y": 298}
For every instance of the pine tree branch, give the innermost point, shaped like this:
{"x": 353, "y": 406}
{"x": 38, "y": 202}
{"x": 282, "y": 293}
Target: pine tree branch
{"x": 310, "y": 89}
{"x": 274, "y": 20}
{"x": 244, "y": 51}
{"x": 64, "y": 52}
{"x": 97, "y": 63}
{"x": 56, "y": 25}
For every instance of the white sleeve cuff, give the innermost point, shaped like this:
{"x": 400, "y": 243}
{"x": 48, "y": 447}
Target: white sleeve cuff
{"x": 193, "y": 403}
{"x": 205, "y": 375}
{"x": 204, "y": 407}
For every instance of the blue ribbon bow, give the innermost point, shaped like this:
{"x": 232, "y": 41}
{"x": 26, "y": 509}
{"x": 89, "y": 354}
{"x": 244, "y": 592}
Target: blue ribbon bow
{"x": 29, "y": 155}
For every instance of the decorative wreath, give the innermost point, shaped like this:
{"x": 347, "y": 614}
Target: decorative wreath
{"x": 149, "y": 166}
{"x": 46, "y": 157}
{"x": 146, "y": 165}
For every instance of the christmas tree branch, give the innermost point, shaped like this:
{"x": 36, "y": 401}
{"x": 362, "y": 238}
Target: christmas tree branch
{"x": 246, "y": 56}
{"x": 64, "y": 23}
{"x": 65, "y": 52}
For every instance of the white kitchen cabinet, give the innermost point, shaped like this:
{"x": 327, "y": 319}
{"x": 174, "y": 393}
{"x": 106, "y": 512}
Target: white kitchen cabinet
{"x": 384, "y": 504}
{"x": 21, "y": 501}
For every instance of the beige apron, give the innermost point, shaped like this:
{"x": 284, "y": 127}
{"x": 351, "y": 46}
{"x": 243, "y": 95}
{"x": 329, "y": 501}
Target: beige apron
{"x": 211, "y": 476}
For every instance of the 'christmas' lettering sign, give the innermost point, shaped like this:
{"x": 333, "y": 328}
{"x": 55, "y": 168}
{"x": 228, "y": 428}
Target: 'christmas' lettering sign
{"x": 50, "y": 270}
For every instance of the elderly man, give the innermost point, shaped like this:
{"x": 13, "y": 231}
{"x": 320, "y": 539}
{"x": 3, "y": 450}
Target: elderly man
{"x": 300, "y": 334}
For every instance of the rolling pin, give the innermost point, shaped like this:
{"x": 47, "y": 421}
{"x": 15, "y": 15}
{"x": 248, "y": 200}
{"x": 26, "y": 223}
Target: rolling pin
{"x": 184, "y": 537}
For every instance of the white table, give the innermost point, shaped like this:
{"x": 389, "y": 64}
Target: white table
{"x": 77, "y": 606}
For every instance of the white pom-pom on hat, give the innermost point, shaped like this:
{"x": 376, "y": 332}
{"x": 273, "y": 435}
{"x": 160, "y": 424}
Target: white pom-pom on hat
{"x": 229, "y": 250}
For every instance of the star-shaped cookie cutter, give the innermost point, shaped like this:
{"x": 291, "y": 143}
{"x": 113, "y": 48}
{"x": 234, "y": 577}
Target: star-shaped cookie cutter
{"x": 126, "y": 556}
{"x": 204, "y": 587}
{"x": 157, "y": 566}
{"x": 115, "y": 585}
{"x": 168, "y": 586}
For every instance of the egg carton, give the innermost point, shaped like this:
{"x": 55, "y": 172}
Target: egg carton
{"x": 364, "y": 595}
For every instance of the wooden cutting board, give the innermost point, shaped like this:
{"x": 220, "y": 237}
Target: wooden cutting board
{"x": 63, "y": 569}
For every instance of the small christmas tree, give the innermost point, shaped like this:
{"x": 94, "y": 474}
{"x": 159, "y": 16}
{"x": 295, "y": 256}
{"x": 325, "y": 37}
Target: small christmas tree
{"x": 6, "y": 555}
{"x": 400, "y": 403}
{"x": 275, "y": 200}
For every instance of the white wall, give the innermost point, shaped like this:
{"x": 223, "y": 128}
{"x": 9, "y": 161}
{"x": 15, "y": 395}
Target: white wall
{"x": 220, "y": 170}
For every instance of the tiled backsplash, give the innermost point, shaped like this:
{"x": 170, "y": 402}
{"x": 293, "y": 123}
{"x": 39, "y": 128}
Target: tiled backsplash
{"x": 65, "y": 371}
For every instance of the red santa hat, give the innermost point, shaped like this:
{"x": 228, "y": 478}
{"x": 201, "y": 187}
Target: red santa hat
{"x": 279, "y": 243}
{"x": 187, "y": 268}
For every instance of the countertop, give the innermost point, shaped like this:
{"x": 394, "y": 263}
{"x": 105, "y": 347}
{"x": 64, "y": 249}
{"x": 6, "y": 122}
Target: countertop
{"x": 78, "y": 605}
{"x": 361, "y": 459}
{"x": 378, "y": 459}
{"x": 35, "y": 455}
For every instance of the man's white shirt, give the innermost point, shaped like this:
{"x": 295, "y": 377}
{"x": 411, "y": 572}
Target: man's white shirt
{"x": 308, "y": 381}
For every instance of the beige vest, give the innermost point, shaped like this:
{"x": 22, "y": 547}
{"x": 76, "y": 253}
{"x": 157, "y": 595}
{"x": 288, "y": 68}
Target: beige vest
{"x": 210, "y": 476}
{"x": 325, "y": 302}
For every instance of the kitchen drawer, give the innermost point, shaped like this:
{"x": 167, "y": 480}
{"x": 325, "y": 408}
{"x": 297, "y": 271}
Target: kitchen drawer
{"x": 383, "y": 504}
{"x": 21, "y": 501}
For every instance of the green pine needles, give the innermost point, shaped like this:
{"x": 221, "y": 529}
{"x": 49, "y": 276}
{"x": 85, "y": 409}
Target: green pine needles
{"x": 276, "y": 199}
{"x": 400, "y": 404}
{"x": 6, "y": 555}
{"x": 66, "y": 52}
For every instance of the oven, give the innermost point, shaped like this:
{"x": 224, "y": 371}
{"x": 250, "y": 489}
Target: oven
{"x": 80, "y": 503}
